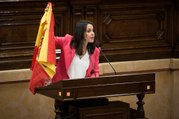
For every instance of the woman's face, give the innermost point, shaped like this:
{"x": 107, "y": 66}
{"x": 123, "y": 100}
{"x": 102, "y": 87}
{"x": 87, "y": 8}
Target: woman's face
{"x": 89, "y": 34}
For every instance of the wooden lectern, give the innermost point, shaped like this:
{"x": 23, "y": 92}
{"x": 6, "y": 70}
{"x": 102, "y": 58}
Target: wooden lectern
{"x": 92, "y": 89}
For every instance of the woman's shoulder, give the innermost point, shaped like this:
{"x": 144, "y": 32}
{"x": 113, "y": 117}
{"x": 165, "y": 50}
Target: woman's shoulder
{"x": 65, "y": 39}
{"x": 68, "y": 36}
{"x": 97, "y": 49}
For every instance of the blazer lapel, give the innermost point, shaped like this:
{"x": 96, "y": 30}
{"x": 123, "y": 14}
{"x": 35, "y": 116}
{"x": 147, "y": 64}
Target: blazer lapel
{"x": 88, "y": 73}
{"x": 69, "y": 58}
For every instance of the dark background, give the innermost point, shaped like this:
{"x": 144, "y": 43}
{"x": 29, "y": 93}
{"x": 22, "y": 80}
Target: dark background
{"x": 126, "y": 29}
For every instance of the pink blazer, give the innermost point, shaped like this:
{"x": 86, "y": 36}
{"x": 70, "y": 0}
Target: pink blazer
{"x": 66, "y": 57}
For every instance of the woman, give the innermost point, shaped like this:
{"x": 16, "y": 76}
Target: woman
{"x": 79, "y": 56}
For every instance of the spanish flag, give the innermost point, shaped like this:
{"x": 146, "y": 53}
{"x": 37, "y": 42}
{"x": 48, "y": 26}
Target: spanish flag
{"x": 44, "y": 57}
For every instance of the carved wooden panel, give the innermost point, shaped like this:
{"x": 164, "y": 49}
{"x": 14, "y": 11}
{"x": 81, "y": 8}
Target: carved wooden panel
{"x": 127, "y": 30}
{"x": 134, "y": 32}
{"x": 87, "y": 12}
{"x": 19, "y": 24}
{"x": 77, "y": 14}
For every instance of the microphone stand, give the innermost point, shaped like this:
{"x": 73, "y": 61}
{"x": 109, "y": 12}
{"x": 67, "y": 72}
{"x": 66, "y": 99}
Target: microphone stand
{"x": 109, "y": 62}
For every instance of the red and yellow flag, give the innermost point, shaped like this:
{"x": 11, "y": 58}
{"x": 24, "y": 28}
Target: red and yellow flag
{"x": 44, "y": 57}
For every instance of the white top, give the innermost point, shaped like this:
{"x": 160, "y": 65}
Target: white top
{"x": 78, "y": 66}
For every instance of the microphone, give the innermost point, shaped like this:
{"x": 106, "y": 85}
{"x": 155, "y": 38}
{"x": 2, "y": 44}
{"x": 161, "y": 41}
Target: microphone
{"x": 109, "y": 62}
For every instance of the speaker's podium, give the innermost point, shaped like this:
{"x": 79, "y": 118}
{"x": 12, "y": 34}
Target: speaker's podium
{"x": 87, "y": 98}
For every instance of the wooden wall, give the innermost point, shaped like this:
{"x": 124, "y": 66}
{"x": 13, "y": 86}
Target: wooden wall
{"x": 126, "y": 30}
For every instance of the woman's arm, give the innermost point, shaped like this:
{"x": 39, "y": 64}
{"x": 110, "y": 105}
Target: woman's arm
{"x": 58, "y": 41}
